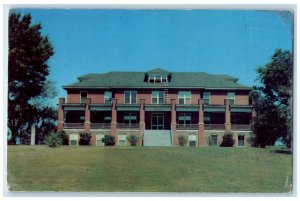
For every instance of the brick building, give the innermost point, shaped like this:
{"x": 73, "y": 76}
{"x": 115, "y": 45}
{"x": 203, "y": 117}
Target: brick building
{"x": 157, "y": 106}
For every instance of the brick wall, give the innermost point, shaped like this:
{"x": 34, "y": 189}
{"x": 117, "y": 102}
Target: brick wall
{"x": 217, "y": 97}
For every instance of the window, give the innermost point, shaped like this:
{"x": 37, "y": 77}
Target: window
{"x": 157, "y": 97}
{"x": 184, "y": 97}
{"x": 206, "y": 119}
{"x": 74, "y": 139}
{"x": 206, "y": 98}
{"x": 130, "y": 118}
{"x": 164, "y": 79}
{"x": 184, "y": 118}
{"x": 231, "y": 97}
{"x": 241, "y": 140}
{"x": 151, "y": 78}
{"x": 192, "y": 140}
{"x": 213, "y": 140}
{"x": 107, "y": 97}
{"x": 157, "y": 78}
{"x": 130, "y": 97}
{"x": 107, "y": 118}
{"x": 83, "y": 96}
{"x": 122, "y": 139}
{"x": 99, "y": 140}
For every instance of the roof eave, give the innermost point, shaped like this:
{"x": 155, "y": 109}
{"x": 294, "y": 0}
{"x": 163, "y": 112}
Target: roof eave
{"x": 145, "y": 87}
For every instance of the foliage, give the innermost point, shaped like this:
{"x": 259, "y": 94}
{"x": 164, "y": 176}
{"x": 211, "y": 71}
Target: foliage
{"x": 108, "y": 140}
{"x": 85, "y": 138}
{"x": 53, "y": 140}
{"x": 251, "y": 140}
{"x": 182, "y": 140}
{"x": 274, "y": 100}
{"x": 27, "y": 78}
{"x": 228, "y": 140}
{"x": 64, "y": 137}
{"x": 132, "y": 139}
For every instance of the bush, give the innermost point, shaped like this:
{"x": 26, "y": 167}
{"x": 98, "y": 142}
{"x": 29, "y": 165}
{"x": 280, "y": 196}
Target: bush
{"x": 181, "y": 140}
{"x": 53, "y": 140}
{"x": 108, "y": 140}
{"x": 251, "y": 140}
{"x": 132, "y": 139}
{"x": 84, "y": 138}
{"x": 64, "y": 137}
{"x": 228, "y": 140}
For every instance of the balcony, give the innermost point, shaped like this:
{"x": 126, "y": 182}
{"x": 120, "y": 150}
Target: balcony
{"x": 128, "y": 126}
{"x": 214, "y": 127}
{"x": 241, "y": 127}
{"x": 73, "y": 125}
{"x": 187, "y": 127}
{"x": 100, "y": 125}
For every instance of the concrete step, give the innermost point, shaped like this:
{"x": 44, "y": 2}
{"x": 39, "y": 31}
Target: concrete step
{"x": 157, "y": 138}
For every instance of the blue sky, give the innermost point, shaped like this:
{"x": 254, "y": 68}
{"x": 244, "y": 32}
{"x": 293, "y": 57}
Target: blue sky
{"x": 213, "y": 41}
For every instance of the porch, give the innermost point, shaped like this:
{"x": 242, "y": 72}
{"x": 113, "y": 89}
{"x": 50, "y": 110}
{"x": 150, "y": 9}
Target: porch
{"x": 153, "y": 116}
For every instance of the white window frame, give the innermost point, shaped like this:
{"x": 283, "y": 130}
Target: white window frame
{"x": 185, "y": 114}
{"x": 192, "y": 137}
{"x": 239, "y": 140}
{"x": 209, "y": 97}
{"x": 131, "y": 114}
{"x": 130, "y": 97}
{"x": 151, "y": 78}
{"x": 208, "y": 117}
{"x": 73, "y": 137}
{"x": 107, "y": 98}
{"x": 158, "y": 78}
{"x": 122, "y": 137}
{"x": 215, "y": 135}
{"x": 99, "y": 137}
{"x": 106, "y": 116}
{"x": 228, "y": 97}
{"x": 185, "y": 97}
{"x": 81, "y": 96}
{"x": 164, "y": 79}
{"x": 157, "y": 97}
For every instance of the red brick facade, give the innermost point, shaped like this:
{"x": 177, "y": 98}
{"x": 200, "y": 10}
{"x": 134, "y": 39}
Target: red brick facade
{"x": 196, "y": 119}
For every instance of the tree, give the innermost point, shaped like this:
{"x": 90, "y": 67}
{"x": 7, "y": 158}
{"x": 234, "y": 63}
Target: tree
{"x": 274, "y": 100}
{"x": 27, "y": 73}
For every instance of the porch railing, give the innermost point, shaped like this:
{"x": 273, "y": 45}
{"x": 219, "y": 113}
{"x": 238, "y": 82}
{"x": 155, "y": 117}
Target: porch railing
{"x": 128, "y": 126}
{"x": 187, "y": 126}
{"x": 74, "y": 125}
{"x": 240, "y": 127}
{"x": 214, "y": 126}
{"x": 100, "y": 125}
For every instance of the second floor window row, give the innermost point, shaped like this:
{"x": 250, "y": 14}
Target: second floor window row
{"x": 157, "y": 97}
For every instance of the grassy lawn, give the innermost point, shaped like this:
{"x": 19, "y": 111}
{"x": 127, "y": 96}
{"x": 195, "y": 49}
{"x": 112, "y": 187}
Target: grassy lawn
{"x": 148, "y": 169}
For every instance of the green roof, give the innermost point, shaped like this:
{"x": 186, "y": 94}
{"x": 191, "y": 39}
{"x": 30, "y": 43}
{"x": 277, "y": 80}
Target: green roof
{"x": 137, "y": 80}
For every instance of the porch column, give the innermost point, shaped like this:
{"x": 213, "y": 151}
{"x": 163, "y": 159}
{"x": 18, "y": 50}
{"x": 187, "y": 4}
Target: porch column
{"x": 201, "y": 134}
{"x": 142, "y": 119}
{"x": 173, "y": 115}
{"x": 227, "y": 116}
{"x": 114, "y": 118}
{"x": 87, "y": 122}
{"x": 60, "y": 125}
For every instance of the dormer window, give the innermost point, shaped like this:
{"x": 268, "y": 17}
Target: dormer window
{"x": 157, "y": 78}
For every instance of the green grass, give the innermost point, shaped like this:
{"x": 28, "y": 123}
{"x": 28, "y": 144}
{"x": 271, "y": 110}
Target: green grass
{"x": 148, "y": 169}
